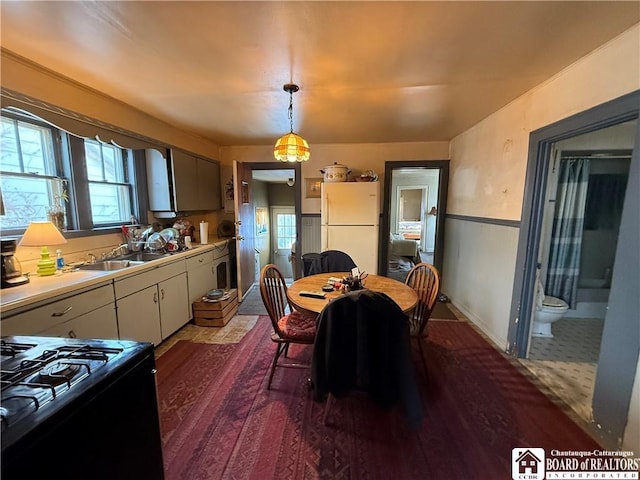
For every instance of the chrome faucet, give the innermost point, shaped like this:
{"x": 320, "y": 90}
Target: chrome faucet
{"x": 116, "y": 251}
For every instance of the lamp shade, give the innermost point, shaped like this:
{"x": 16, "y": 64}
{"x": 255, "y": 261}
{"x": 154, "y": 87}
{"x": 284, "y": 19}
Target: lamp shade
{"x": 291, "y": 148}
{"x": 42, "y": 233}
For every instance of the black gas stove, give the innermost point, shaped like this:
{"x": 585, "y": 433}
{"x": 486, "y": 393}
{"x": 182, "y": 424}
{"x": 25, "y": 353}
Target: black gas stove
{"x": 92, "y": 399}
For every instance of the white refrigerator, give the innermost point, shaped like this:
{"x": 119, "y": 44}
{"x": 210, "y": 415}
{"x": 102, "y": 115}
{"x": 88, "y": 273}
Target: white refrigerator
{"x": 350, "y": 218}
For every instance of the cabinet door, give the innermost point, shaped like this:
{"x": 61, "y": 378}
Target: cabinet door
{"x": 174, "y": 304}
{"x": 201, "y": 279}
{"x": 158, "y": 180}
{"x": 100, "y": 323}
{"x": 185, "y": 181}
{"x": 139, "y": 316}
{"x": 209, "y": 194}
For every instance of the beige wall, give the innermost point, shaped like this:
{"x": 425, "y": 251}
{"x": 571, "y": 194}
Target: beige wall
{"x": 358, "y": 157}
{"x": 488, "y": 164}
{"x": 21, "y": 75}
{"x": 488, "y": 161}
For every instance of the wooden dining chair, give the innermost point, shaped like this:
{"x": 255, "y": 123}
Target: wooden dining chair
{"x": 289, "y": 325}
{"x": 424, "y": 279}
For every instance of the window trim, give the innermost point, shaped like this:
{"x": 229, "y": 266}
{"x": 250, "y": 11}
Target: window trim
{"x": 70, "y": 146}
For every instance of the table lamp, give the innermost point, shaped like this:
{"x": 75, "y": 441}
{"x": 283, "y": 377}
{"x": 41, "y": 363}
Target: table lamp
{"x": 41, "y": 234}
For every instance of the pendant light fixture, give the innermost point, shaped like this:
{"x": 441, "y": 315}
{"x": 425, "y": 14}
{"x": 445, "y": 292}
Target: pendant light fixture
{"x": 291, "y": 147}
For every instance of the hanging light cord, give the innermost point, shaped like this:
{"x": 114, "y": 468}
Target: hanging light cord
{"x": 291, "y": 110}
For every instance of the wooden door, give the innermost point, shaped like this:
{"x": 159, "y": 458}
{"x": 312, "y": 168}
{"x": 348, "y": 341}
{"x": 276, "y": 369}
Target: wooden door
{"x": 245, "y": 231}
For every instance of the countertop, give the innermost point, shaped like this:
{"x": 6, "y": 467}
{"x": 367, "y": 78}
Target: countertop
{"x": 44, "y": 288}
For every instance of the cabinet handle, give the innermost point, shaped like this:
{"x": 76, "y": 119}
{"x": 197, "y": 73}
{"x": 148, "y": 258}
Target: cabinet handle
{"x": 72, "y": 334}
{"x": 59, "y": 314}
{"x": 155, "y": 297}
{"x": 200, "y": 260}
{"x": 162, "y": 293}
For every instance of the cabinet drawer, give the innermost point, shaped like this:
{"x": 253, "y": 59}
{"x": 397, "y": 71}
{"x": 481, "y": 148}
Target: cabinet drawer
{"x": 100, "y": 323}
{"x": 135, "y": 283}
{"x": 47, "y": 316}
{"x": 199, "y": 260}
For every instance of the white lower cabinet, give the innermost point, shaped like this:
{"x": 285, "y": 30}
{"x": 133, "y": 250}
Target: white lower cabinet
{"x": 175, "y": 308}
{"x": 100, "y": 323}
{"x": 139, "y": 316}
{"x": 89, "y": 313}
{"x": 201, "y": 275}
{"x": 153, "y": 304}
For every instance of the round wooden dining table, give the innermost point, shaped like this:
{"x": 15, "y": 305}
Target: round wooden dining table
{"x": 403, "y": 295}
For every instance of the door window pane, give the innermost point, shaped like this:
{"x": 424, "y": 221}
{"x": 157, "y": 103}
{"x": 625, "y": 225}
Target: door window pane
{"x": 286, "y": 225}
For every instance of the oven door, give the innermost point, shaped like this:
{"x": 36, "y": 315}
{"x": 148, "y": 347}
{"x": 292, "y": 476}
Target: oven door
{"x": 110, "y": 431}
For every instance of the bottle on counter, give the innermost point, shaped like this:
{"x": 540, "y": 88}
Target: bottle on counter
{"x": 59, "y": 260}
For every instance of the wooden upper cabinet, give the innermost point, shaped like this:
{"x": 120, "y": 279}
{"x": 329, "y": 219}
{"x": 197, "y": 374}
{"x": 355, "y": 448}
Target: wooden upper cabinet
{"x": 182, "y": 182}
{"x": 209, "y": 190}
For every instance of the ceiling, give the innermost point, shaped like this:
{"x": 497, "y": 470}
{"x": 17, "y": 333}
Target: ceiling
{"x": 367, "y": 71}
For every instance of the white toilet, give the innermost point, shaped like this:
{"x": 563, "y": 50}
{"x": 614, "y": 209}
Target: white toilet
{"x": 548, "y": 310}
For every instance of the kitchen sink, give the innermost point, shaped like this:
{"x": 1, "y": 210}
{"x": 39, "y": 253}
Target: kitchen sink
{"x": 144, "y": 256}
{"x": 110, "y": 265}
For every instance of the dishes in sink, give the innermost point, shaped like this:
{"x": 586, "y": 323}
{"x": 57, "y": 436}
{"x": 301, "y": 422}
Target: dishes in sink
{"x": 170, "y": 234}
{"x": 156, "y": 242}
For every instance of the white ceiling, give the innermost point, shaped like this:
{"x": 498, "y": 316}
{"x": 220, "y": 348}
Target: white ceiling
{"x": 368, "y": 71}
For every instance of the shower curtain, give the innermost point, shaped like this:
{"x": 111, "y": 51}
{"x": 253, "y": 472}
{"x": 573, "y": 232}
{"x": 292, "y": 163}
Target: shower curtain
{"x": 566, "y": 236}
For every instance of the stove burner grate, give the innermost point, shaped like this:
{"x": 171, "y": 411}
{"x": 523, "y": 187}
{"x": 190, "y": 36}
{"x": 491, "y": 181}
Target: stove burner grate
{"x": 11, "y": 349}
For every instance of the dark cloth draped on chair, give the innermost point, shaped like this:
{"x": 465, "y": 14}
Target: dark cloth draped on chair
{"x": 362, "y": 342}
{"x": 331, "y": 261}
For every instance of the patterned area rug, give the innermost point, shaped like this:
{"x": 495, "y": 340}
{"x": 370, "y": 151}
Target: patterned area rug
{"x": 219, "y": 420}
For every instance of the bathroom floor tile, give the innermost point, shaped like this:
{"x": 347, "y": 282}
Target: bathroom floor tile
{"x": 567, "y": 363}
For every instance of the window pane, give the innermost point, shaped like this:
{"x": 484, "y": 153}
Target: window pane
{"x": 110, "y": 164}
{"x": 109, "y": 203}
{"x": 9, "y": 159}
{"x": 286, "y": 225}
{"x": 25, "y": 199}
{"x": 36, "y": 147}
{"x": 93, "y": 160}
{"x": 34, "y": 156}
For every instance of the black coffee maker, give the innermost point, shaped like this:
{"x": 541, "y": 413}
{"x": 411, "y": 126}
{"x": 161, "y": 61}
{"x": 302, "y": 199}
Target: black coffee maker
{"x": 11, "y": 271}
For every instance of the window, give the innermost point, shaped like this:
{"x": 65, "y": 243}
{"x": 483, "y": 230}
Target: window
{"x": 110, "y": 195}
{"x": 28, "y": 172}
{"x": 44, "y": 169}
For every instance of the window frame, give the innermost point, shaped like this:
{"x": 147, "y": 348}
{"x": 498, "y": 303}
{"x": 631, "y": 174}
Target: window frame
{"x": 69, "y": 160}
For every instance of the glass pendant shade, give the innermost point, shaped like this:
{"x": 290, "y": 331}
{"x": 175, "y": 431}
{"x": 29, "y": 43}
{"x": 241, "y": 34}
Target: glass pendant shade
{"x": 291, "y": 148}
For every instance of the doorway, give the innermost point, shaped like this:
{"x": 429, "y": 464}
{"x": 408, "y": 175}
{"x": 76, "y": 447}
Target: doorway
{"x": 620, "y": 344}
{"x": 260, "y": 185}
{"x": 412, "y": 230}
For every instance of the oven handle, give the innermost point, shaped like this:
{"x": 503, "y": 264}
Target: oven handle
{"x": 59, "y": 314}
